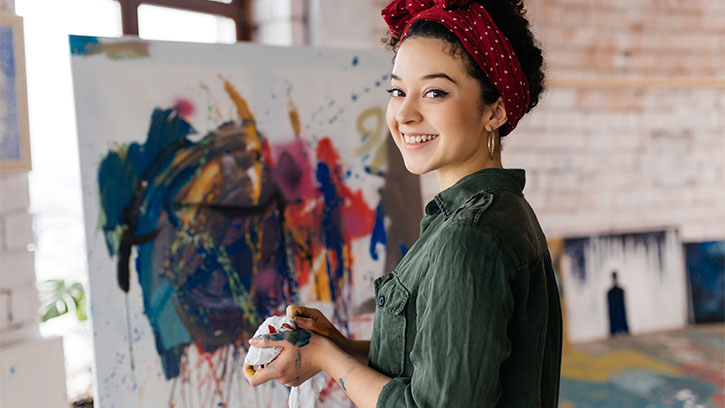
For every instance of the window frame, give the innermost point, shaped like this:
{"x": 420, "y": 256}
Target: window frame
{"x": 238, "y": 10}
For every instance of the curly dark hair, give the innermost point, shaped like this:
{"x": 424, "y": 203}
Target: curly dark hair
{"x": 510, "y": 17}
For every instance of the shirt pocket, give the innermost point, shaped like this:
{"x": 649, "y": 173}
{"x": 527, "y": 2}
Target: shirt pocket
{"x": 390, "y": 323}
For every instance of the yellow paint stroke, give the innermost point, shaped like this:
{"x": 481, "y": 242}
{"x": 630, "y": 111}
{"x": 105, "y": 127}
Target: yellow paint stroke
{"x": 321, "y": 281}
{"x": 121, "y": 50}
{"x": 294, "y": 118}
{"x": 253, "y": 141}
{"x": 580, "y": 365}
{"x": 243, "y": 110}
{"x": 371, "y": 136}
{"x": 200, "y": 189}
{"x": 249, "y": 370}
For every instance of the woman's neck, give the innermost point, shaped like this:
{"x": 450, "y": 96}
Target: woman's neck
{"x": 448, "y": 177}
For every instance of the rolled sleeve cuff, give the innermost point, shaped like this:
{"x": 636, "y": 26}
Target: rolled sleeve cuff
{"x": 396, "y": 393}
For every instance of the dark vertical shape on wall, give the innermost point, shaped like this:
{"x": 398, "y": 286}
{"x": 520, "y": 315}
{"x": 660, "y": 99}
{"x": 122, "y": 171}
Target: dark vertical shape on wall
{"x": 617, "y": 311}
{"x": 402, "y": 204}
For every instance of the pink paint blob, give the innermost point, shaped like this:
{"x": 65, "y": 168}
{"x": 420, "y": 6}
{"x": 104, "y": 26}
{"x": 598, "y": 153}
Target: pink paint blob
{"x": 293, "y": 172}
{"x": 184, "y": 107}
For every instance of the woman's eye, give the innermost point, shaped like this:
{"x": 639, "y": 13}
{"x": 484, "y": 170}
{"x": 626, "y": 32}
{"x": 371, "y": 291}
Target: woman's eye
{"x": 435, "y": 93}
{"x": 395, "y": 92}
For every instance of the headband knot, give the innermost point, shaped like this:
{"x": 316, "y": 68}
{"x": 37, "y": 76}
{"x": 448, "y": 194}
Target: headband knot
{"x": 479, "y": 36}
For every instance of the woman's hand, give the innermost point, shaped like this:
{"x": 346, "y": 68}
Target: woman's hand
{"x": 301, "y": 357}
{"x": 313, "y": 320}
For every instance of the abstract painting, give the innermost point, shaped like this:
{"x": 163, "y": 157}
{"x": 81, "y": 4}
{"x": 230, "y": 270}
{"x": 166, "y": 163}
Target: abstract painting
{"x": 221, "y": 184}
{"x": 14, "y": 137}
{"x": 623, "y": 284}
{"x": 706, "y": 275}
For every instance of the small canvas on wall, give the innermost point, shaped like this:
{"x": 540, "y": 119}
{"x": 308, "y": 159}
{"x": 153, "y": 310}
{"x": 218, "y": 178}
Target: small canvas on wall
{"x": 222, "y": 183}
{"x": 14, "y": 137}
{"x": 623, "y": 284}
{"x": 706, "y": 275}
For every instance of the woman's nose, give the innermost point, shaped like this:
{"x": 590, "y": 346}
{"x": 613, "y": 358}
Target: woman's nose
{"x": 408, "y": 112}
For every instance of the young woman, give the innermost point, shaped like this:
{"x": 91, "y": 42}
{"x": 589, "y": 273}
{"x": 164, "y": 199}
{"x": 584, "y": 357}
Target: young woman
{"x": 471, "y": 315}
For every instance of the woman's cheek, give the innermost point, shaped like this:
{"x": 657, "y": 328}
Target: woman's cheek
{"x": 390, "y": 113}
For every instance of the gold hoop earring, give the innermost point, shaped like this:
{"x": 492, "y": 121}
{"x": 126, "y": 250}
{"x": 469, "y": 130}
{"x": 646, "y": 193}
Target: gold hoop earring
{"x": 491, "y": 145}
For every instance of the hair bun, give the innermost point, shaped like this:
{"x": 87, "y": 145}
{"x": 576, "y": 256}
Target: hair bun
{"x": 453, "y": 4}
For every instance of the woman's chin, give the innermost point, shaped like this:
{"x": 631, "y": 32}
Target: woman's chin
{"x": 416, "y": 168}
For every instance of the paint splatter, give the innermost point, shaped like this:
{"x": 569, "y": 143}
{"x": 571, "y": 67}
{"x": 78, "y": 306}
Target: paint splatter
{"x": 119, "y": 50}
{"x": 184, "y": 107}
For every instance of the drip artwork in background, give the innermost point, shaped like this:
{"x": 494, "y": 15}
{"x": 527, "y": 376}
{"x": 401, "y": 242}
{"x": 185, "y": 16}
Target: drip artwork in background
{"x": 623, "y": 284}
{"x": 222, "y": 183}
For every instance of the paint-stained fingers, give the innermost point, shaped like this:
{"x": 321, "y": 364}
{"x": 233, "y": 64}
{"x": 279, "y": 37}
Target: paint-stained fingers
{"x": 268, "y": 340}
{"x": 271, "y": 372}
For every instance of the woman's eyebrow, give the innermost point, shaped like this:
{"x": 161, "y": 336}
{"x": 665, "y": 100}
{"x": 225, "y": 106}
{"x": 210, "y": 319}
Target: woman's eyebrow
{"x": 429, "y": 76}
{"x": 439, "y": 75}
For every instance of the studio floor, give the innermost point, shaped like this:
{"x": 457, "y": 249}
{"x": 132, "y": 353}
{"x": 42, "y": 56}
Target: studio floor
{"x": 684, "y": 368}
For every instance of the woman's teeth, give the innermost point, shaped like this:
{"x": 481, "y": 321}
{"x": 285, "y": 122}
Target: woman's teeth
{"x": 419, "y": 139}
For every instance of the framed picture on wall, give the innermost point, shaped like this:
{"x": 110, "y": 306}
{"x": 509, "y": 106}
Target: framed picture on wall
{"x": 14, "y": 133}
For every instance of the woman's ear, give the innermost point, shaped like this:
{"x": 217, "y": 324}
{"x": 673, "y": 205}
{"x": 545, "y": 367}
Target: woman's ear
{"x": 496, "y": 116}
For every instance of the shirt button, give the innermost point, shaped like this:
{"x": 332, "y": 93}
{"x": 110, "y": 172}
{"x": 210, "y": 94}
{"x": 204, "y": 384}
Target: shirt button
{"x": 381, "y": 300}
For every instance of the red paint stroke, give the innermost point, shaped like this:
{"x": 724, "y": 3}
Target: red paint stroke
{"x": 271, "y": 328}
{"x": 718, "y": 399}
{"x": 184, "y": 107}
{"x": 717, "y": 378}
{"x": 287, "y": 326}
{"x": 211, "y": 374}
{"x": 357, "y": 218}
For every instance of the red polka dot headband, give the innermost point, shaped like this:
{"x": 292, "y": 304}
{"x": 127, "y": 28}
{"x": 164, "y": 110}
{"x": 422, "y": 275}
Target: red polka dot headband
{"x": 481, "y": 38}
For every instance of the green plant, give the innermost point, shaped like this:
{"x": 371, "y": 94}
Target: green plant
{"x": 58, "y": 297}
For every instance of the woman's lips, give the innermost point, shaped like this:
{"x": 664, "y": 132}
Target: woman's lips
{"x": 417, "y": 140}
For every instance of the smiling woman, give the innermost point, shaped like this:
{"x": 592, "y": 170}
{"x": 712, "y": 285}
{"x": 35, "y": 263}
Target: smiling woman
{"x": 471, "y": 315}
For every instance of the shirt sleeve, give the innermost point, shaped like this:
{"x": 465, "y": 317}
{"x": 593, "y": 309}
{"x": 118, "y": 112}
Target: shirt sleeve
{"x": 463, "y": 311}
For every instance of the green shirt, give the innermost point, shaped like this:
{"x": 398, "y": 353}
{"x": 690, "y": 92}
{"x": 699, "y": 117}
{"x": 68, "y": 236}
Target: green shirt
{"x": 471, "y": 315}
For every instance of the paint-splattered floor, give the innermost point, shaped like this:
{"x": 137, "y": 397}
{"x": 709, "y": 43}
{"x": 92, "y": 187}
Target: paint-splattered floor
{"x": 684, "y": 368}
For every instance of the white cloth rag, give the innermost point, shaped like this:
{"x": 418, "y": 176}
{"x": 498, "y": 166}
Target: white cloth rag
{"x": 308, "y": 392}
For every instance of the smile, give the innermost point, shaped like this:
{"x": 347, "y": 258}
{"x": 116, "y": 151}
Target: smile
{"x": 419, "y": 139}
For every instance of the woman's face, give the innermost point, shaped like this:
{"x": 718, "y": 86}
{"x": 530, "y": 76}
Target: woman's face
{"x": 435, "y": 113}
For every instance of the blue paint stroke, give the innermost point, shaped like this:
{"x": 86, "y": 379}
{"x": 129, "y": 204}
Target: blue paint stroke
{"x": 403, "y": 249}
{"x": 331, "y": 224}
{"x": 706, "y": 273}
{"x": 10, "y": 142}
{"x": 378, "y": 235}
{"x": 83, "y": 45}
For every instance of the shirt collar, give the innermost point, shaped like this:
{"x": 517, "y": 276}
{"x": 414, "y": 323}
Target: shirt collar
{"x": 490, "y": 180}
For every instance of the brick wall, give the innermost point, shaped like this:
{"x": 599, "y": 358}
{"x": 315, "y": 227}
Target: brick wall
{"x": 631, "y": 133}
{"x": 18, "y": 299}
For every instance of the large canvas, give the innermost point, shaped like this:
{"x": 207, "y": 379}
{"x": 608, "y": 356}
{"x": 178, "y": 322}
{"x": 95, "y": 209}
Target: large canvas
{"x": 222, "y": 183}
{"x": 706, "y": 276}
{"x": 623, "y": 284}
{"x": 14, "y": 135}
